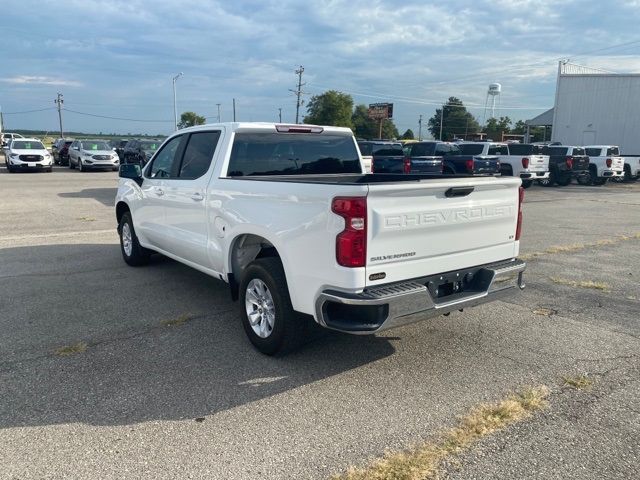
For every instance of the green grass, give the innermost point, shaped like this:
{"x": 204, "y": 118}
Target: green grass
{"x": 69, "y": 350}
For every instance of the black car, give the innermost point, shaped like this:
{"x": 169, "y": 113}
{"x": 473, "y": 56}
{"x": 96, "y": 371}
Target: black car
{"x": 60, "y": 151}
{"x": 119, "y": 146}
{"x": 140, "y": 151}
{"x": 565, "y": 163}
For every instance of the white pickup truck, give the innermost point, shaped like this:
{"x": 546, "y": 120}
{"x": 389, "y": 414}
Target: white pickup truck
{"x": 631, "y": 167}
{"x": 525, "y": 161}
{"x": 605, "y": 162}
{"x": 287, "y": 217}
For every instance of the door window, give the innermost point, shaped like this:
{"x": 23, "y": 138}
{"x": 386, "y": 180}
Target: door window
{"x": 198, "y": 154}
{"x": 165, "y": 162}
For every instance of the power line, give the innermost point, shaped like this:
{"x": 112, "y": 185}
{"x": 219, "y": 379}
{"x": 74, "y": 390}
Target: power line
{"x": 59, "y": 101}
{"x": 117, "y": 118}
{"x": 29, "y": 111}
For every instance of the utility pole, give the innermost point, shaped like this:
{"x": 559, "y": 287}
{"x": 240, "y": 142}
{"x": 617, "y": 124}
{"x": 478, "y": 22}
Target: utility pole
{"x": 218, "y": 105}
{"x": 234, "y": 109}
{"x": 298, "y": 93}
{"x": 59, "y": 101}
{"x": 280, "y": 114}
{"x": 420, "y": 129}
{"x": 175, "y": 108}
{"x": 441, "y": 121}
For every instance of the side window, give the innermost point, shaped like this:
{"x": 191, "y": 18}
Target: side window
{"x": 498, "y": 150}
{"x": 198, "y": 154}
{"x": 164, "y": 162}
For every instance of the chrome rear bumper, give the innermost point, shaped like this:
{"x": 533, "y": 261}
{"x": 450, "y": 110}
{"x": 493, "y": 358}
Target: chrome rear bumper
{"x": 388, "y": 306}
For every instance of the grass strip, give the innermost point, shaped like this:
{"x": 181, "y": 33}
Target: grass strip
{"x": 423, "y": 461}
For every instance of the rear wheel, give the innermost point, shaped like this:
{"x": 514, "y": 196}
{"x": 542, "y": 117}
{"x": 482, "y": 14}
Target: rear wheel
{"x": 527, "y": 183}
{"x": 268, "y": 318}
{"x": 599, "y": 181}
{"x": 585, "y": 179}
{"x": 564, "y": 181}
{"x": 133, "y": 253}
{"x": 71, "y": 165}
{"x": 627, "y": 173}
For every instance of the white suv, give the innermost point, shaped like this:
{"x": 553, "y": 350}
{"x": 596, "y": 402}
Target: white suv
{"x": 90, "y": 154}
{"x": 27, "y": 154}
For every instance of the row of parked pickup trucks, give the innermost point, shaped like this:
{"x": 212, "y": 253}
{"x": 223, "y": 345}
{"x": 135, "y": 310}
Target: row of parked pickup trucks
{"x": 550, "y": 165}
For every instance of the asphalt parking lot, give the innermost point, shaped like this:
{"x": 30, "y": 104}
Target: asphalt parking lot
{"x": 158, "y": 398}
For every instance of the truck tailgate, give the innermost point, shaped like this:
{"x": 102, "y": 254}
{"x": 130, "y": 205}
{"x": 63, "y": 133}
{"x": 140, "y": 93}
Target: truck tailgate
{"x": 435, "y": 226}
{"x": 538, "y": 163}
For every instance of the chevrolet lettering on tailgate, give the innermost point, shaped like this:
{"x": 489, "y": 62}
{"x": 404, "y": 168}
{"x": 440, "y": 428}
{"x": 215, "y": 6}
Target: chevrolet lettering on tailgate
{"x": 460, "y": 215}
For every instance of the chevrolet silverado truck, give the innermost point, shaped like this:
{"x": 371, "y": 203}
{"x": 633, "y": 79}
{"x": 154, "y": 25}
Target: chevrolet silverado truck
{"x": 466, "y": 158}
{"x": 605, "y": 162}
{"x": 286, "y": 216}
{"x": 565, "y": 164}
{"x": 521, "y": 160}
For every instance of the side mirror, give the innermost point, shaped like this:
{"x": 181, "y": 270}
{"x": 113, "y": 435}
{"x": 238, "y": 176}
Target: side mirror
{"x": 132, "y": 171}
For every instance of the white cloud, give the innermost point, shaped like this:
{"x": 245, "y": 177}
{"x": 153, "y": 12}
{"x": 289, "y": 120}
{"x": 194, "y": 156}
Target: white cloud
{"x": 39, "y": 80}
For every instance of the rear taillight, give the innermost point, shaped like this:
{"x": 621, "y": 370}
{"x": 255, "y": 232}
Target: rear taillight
{"x": 469, "y": 165}
{"x": 441, "y": 167}
{"x": 609, "y": 163}
{"x": 519, "y": 224}
{"x": 525, "y": 163}
{"x": 569, "y": 161}
{"x": 406, "y": 166}
{"x": 351, "y": 243}
{"x": 372, "y": 166}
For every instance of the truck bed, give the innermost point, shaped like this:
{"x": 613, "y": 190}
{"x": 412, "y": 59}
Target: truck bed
{"x": 356, "y": 178}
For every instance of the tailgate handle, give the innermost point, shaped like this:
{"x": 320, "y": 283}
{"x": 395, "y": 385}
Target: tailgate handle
{"x": 458, "y": 192}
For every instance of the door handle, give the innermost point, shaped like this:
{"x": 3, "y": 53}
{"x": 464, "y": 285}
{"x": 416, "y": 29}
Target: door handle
{"x": 159, "y": 192}
{"x": 458, "y": 192}
{"x": 197, "y": 196}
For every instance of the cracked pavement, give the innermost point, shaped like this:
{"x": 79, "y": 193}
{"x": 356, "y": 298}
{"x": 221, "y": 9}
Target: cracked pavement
{"x": 196, "y": 401}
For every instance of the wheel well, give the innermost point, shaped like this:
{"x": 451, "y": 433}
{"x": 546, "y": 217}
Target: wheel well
{"x": 121, "y": 209}
{"x": 244, "y": 250}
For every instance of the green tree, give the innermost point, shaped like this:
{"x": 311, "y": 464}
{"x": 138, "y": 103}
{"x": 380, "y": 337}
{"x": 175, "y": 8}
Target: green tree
{"x": 364, "y": 127}
{"x": 495, "y": 127}
{"x": 408, "y": 135}
{"x": 189, "y": 119}
{"x": 330, "y": 108}
{"x": 457, "y": 121}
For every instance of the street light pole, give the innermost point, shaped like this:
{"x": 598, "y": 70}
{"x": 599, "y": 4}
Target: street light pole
{"x": 280, "y": 114}
{"x": 218, "y": 105}
{"x": 175, "y": 108}
{"x": 441, "y": 121}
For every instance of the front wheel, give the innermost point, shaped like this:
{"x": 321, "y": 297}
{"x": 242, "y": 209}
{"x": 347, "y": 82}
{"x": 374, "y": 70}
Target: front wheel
{"x": 81, "y": 167}
{"x": 133, "y": 253}
{"x": 268, "y": 318}
{"x": 564, "y": 181}
{"x": 599, "y": 181}
{"x": 71, "y": 165}
{"x": 527, "y": 183}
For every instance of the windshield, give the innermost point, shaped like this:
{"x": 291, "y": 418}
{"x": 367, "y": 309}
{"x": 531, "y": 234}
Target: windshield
{"x": 27, "y": 145}
{"x": 524, "y": 149}
{"x": 613, "y": 151}
{"x": 297, "y": 154}
{"x": 95, "y": 146}
{"x": 149, "y": 145}
{"x": 470, "y": 148}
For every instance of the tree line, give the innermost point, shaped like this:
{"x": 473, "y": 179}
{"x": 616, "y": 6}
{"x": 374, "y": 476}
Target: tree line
{"x": 449, "y": 122}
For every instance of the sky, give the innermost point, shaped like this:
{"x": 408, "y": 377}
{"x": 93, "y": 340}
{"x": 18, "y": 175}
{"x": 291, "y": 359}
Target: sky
{"x": 117, "y": 58}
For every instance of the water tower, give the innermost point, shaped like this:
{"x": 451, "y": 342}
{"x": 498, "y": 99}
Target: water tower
{"x": 493, "y": 95}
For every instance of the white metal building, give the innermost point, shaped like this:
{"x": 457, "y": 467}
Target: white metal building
{"x": 597, "y": 107}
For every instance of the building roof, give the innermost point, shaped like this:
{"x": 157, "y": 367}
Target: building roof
{"x": 545, "y": 118}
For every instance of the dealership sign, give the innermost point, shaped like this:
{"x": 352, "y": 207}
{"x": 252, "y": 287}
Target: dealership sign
{"x": 380, "y": 111}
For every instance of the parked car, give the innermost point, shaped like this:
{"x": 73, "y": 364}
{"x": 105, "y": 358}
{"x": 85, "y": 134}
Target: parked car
{"x": 520, "y": 160}
{"x": 27, "y": 154}
{"x": 60, "y": 151}
{"x": 565, "y": 163}
{"x": 421, "y": 157}
{"x": 119, "y": 145}
{"x": 7, "y": 137}
{"x": 605, "y": 162}
{"x": 140, "y": 151}
{"x": 467, "y": 158}
{"x": 386, "y": 157}
{"x": 287, "y": 217}
{"x": 91, "y": 154}
{"x": 631, "y": 167}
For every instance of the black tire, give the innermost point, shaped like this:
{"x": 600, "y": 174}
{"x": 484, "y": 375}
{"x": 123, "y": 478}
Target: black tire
{"x": 599, "y": 181}
{"x": 564, "y": 181}
{"x": 136, "y": 255}
{"x": 50, "y": 169}
{"x": 11, "y": 170}
{"x": 115, "y": 169}
{"x": 71, "y": 165}
{"x": 526, "y": 183}
{"x": 584, "y": 179}
{"x": 290, "y": 329}
{"x": 627, "y": 174}
{"x": 81, "y": 167}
